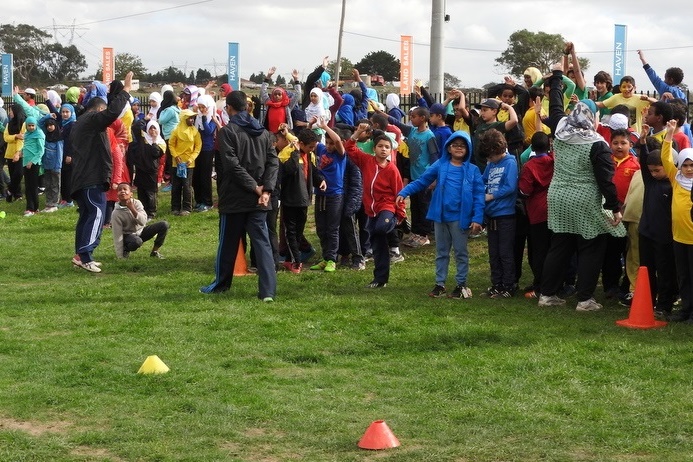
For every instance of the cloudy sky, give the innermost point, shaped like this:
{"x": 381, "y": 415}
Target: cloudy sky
{"x": 298, "y": 33}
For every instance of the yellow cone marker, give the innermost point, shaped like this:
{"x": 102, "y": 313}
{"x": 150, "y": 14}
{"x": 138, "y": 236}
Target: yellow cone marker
{"x": 153, "y": 365}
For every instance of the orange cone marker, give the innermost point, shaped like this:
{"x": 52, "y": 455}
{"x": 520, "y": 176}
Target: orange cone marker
{"x": 641, "y": 309}
{"x": 240, "y": 267}
{"x": 378, "y": 436}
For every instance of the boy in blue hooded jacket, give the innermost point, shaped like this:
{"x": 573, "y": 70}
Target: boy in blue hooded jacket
{"x": 456, "y": 209}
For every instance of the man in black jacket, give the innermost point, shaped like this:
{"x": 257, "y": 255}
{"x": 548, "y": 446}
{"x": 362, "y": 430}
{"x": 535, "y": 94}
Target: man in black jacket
{"x": 246, "y": 167}
{"x": 92, "y": 166}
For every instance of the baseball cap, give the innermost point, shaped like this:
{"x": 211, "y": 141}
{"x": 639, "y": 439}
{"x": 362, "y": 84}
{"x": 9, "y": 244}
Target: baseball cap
{"x": 488, "y": 102}
{"x": 437, "y": 108}
{"x": 30, "y": 91}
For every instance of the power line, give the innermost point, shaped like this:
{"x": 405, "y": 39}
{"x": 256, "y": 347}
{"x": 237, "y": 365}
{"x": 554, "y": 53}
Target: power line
{"x": 501, "y": 51}
{"x": 139, "y": 14}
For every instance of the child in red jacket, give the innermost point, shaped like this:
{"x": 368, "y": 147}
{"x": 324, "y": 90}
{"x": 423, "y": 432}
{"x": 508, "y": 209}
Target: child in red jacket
{"x": 381, "y": 183}
{"x": 625, "y": 165}
{"x": 534, "y": 182}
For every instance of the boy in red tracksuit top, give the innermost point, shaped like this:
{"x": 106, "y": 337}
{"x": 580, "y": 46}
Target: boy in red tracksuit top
{"x": 533, "y": 184}
{"x": 625, "y": 165}
{"x": 381, "y": 183}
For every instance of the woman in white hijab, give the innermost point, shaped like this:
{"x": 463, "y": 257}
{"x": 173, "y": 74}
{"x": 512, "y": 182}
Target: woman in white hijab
{"x": 582, "y": 205}
{"x": 155, "y": 99}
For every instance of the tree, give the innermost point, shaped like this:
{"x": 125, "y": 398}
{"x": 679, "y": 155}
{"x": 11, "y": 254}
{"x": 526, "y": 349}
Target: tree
{"x": 191, "y": 78}
{"x": 529, "y": 49}
{"x": 345, "y": 68}
{"x": 450, "y": 81}
{"x": 27, "y": 45}
{"x": 125, "y": 62}
{"x": 280, "y": 80}
{"x": 379, "y": 62}
{"x": 203, "y": 75}
{"x": 64, "y": 63}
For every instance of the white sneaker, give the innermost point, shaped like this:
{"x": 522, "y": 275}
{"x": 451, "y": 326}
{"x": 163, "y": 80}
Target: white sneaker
{"x": 77, "y": 262}
{"x": 50, "y": 209}
{"x": 91, "y": 266}
{"x": 588, "y": 305}
{"x": 28, "y": 213}
{"x": 550, "y": 300}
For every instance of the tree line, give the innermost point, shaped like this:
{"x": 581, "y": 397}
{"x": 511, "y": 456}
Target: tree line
{"x": 37, "y": 58}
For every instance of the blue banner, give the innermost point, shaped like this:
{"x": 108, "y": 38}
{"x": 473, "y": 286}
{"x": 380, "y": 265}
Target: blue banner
{"x": 620, "y": 41}
{"x": 7, "y": 70}
{"x": 234, "y": 69}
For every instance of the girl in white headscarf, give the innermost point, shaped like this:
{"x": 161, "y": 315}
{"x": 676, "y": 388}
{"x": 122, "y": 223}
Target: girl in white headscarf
{"x": 147, "y": 153}
{"x": 316, "y": 110}
{"x": 155, "y": 99}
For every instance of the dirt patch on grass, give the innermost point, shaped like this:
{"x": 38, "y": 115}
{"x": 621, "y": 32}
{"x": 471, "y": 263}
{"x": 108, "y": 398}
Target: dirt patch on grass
{"x": 90, "y": 453}
{"x": 33, "y": 428}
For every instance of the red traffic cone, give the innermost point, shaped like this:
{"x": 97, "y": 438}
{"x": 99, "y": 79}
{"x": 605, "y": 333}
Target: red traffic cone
{"x": 641, "y": 310}
{"x": 240, "y": 267}
{"x": 378, "y": 436}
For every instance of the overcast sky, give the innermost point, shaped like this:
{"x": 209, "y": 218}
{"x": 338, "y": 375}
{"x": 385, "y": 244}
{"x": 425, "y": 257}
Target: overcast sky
{"x": 298, "y": 33}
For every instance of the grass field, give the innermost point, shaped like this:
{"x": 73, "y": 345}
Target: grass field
{"x": 302, "y": 378}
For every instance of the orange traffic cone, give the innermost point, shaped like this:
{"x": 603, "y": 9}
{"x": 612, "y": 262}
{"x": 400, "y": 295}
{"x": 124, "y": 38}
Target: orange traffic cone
{"x": 641, "y": 310}
{"x": 378, "y": 436}
{"x": 240, "y": 267}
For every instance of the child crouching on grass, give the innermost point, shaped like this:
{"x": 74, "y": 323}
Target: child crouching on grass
{"x": 456, "y": 209}
{"x": 128, "y": 222}
{"x": 382, "y": 182}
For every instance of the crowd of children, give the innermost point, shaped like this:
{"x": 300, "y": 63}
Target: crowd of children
{"x": 589, "y": 181}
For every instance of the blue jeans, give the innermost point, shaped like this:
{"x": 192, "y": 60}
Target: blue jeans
{"x": 449, "y": 235}
{"x": 231, "y": 228}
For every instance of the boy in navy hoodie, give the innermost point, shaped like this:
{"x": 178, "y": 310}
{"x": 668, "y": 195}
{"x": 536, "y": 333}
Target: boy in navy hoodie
{"x": 456, "y": 209}
{"x": 500, "y": 178}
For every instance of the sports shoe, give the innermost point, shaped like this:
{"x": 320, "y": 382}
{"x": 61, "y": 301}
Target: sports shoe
{"x": 319, "y": 266}
{"x": 396, "y": 257}
{"x": 307, "y": 255}
{"x": 531, "y": 294}
{"x": 77, "y": 261}
{"x": 293, "y": 267}
{"x": 64, "y": 204}
{"x": 588, "y": 305}
{"x": 184, "y": 213}
{"x": 358, "y": 266}
{"x": 368, "y": 256}
{"x": 330, "y": 267}
{"x": 550, "y": 300}
{"x": 438, "y": 291}
{"x": 29, "y": 213}
{"x": 461, "y": 292}
{"x": 502, "y": 293}
{"x": 268, "y": 300}
{"x": 90, "y": 266}
{"x": 491, "y": 291}
{"x": 167, "y": 188}
{"x": 50, "y": 209}
{"x": 376, "y": 285}
{"x": 567, "y": 290}
{"x": 625, "y": 299}
{"x": 156, "y": 254}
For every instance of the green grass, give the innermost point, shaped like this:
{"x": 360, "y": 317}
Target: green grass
{"x": 301, "y": 379}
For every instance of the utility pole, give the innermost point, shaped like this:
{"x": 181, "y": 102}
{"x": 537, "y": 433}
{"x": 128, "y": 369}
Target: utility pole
{"x": 436, "y": 69}
{"x": 338, "y": 67}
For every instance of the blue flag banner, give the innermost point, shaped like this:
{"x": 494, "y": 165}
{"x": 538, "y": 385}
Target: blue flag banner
{"x": 234, "y": 69}
{"x": 7, "y": 70}
{"x": 620, "y": 42}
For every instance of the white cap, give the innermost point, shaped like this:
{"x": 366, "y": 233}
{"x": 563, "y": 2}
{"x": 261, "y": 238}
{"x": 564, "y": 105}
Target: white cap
{"x": 30, "y": 91}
